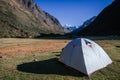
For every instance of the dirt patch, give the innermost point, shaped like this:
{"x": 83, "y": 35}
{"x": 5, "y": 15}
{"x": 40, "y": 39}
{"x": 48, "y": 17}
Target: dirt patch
{"x": 22, "y": 46}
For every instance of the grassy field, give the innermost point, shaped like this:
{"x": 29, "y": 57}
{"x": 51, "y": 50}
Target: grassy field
{"x": 34, "y": 64}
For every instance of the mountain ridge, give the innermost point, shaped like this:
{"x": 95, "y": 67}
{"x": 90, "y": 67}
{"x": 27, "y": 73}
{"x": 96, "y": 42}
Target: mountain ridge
{"x": 85, "y": 24}
{"x": 23, "y": 18}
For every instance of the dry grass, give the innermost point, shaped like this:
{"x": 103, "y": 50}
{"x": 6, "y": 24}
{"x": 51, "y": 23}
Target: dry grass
{"x": 10, "y": 46}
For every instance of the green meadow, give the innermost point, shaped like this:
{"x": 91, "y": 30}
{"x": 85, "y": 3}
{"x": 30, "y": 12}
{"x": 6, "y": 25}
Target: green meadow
{"x": 45, "y": 66}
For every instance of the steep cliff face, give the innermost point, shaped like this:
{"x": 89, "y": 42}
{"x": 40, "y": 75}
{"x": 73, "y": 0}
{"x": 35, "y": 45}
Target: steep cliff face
{"x": 23, "y": 18}
{"x": 107, "y": 22}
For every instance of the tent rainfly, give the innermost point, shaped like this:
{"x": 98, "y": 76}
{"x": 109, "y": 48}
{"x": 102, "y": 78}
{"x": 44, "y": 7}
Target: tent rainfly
{"x": 84, "y": 55}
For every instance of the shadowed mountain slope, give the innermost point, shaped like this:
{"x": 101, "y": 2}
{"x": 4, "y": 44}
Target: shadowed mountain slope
{"x": 107, "y": 22}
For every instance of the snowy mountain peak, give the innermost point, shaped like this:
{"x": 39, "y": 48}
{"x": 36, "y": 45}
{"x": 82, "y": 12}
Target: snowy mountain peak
{"x": 67, "y": 25}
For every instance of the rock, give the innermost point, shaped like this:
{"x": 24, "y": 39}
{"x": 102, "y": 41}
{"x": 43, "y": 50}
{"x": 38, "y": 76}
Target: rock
{"x": 35, "y": 60}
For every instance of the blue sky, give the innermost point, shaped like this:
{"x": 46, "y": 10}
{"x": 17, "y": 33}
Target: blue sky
{"x": 73, "y": 12}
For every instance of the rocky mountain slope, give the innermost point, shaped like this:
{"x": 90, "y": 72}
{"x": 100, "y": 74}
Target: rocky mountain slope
{"x": 107, "y": 22}
{"x": 23, "y": 18}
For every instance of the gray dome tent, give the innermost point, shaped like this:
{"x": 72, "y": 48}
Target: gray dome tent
{"x": 85, "y": 56}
